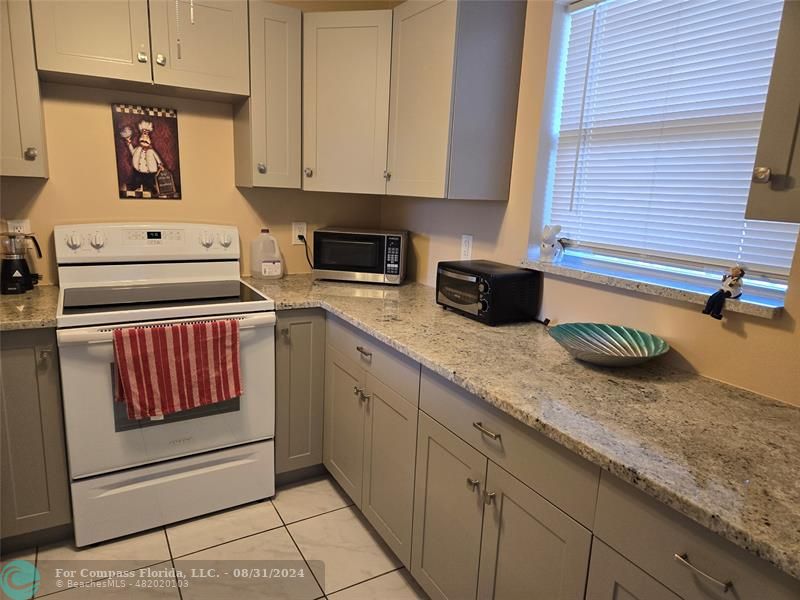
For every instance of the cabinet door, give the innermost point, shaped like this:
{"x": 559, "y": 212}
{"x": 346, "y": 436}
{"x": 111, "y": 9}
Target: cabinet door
{"x": 612, "y": 577}
{"x": 22, "y": 147}
{"x": 423, "y": 52}
{"x": 346, "y": 66}
{"x": 201, "y": 44}
{"x": 300, "y": 379}
{"x": 101, "y": 38}
{"x": 389, "y": 450}
{"x": 343, "y": 445}
{"x": 35, "y": 486}
{"x": 448, "y": 512}
{"x": 529, "y": 547}
{"x": 776, "y": 197}
{"x": 270, "y": 142}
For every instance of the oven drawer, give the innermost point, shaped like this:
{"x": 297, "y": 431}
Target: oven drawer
{"x": 390, "y": 366}
{"x": 563, "y": 478}
{"x": 114, "y": 505}
{"x": 651, "y": 534}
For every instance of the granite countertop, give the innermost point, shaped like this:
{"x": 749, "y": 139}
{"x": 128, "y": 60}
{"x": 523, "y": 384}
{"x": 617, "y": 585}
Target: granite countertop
{"x": 31, "y": 310}
{"x": 725, "y": 457}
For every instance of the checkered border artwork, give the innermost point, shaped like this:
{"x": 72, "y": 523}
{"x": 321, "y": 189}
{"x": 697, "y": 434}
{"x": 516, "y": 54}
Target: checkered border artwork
{"x": 129, "y": 114}
{"x": 144, "y": 110}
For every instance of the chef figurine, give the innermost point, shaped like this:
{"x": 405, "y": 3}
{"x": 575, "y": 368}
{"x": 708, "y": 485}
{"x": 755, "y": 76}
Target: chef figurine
{"x": 731, "y": 287}
{"x": 145, "y": 160}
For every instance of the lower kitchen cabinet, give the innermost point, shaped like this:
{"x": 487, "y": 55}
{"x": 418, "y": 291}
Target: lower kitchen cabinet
{"x": 612, "y": 577}
{"x": 370, "y": 436}
{"x": 300, "y": 380}
{"x": 448, "y": 513}
{"x": 529, "y": 547}
{"x": 343, "y": 448}
{"x": 33, "y": 479}
{"x": 389, "y": 451}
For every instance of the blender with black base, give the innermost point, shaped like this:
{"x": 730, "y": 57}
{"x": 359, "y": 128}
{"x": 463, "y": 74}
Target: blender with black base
{"x": 15, "y": 275}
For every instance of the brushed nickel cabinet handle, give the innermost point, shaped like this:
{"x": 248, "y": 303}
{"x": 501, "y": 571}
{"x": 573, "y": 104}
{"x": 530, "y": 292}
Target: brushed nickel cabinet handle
{"x": 141, "y": 56}
{"x": 31, "y": 153}
{"x": 161, "y": 60}
{"x": 479, "y": 426}
{"x": 365, "y": 397}
{"x": 357, "y": 390}
{"x": 308, "y": 172}
{"x": 488, "y": 497}
{"x": 364, "y": 352}
{"x": 44, "y": 354}
{"x": 683, "y": 559}
{"x": 262, "y": 167}
{"x": 473, "y": 482}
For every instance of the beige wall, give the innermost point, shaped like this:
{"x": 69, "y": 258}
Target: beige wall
{"x": 757, "y": 354}
{"x": 83, "y": 182}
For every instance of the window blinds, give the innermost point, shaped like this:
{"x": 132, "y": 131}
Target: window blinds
{"x": 661, "y": 105}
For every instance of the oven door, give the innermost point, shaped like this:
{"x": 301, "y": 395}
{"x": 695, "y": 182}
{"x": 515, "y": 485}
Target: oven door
{"x": 458, "y": 290}
{"x": 101, "y": 438}
{"x": 350, "y": 252}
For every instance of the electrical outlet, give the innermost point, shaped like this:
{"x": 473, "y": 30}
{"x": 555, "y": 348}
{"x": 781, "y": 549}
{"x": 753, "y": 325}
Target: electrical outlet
{"x": 19, "y": 225}
{"x": 466, "y": 247}
{"x": 299, "y": 229}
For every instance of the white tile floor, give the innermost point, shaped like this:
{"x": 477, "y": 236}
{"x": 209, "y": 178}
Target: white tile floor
{"x": 310, "y": 527}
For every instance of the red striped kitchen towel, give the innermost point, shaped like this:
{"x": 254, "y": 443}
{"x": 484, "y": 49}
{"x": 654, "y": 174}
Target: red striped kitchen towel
{"x": 162, "y": 369}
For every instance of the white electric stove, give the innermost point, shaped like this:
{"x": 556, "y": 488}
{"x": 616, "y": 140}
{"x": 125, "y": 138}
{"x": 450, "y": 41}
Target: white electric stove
{"x": 128, "y": 476}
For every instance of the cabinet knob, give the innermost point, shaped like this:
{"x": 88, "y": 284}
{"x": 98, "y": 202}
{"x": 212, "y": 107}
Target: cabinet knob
{"x": 474, "y": 483}
{"x": 488, "y": 497}
{"x": 262, "y": 168}
{"x": 141, "y": 57}
{"x": 285, "y": 332}
{"x": 364, "y": 352}
{"x": 44, "y": 354}
{"x": 762, "y": 174}
{"x": 31, "y": 153}
{"x": 161, "y": 59}
{"x": 308, "y": 172}
{"x": 387, "y": 175}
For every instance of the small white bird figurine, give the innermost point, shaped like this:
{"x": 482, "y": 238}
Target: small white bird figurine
{"x": 551, "y": 248}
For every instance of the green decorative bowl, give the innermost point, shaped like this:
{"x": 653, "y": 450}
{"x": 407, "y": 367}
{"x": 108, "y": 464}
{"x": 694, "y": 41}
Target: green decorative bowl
{"x": 608, "y": 345}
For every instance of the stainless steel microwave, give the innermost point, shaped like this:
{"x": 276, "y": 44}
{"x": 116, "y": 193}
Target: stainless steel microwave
{"x": 368, "y": 255}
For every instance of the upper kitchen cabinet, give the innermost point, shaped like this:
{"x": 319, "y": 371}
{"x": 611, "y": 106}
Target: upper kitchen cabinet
{"x": 267, "y": 124}
{"x": 196, "y": 44}
{"x": 22, "y": 147}
{"x": 201, "y": 44}
{"x": 346, "y": 70}
{"x": 100, "y": 39}
{"x": 455, "y": 83}
{"x": 775, "y": 190}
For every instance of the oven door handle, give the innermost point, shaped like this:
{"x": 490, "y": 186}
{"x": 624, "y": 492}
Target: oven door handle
{"x": 100, "y": 335}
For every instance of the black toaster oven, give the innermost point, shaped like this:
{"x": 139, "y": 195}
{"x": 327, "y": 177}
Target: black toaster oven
{"x": 489, "y": 292}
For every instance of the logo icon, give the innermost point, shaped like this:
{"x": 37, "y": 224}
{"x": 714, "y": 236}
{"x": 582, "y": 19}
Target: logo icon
{"x": 19, "y": 579}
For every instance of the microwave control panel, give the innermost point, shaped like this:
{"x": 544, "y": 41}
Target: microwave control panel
{"x": 393, "y": 243}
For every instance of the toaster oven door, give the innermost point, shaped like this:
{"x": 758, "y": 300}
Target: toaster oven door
{"x": 458, "y": 290}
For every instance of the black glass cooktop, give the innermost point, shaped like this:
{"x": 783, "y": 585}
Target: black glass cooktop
{"x": 158, "y": 295}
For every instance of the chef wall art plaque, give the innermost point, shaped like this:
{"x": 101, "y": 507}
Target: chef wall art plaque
{"x": 146, "y": 141}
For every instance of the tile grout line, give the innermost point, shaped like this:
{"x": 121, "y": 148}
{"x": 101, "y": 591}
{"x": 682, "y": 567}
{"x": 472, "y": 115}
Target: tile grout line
{"x": 352, "y": 585}
{"x": 314, "y": 516}
{"x": 172, "y": 562}
{"x": 303, "y": 556}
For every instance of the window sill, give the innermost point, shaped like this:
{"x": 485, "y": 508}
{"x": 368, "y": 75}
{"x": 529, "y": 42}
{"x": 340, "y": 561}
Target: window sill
{"x": 751, "y": 303}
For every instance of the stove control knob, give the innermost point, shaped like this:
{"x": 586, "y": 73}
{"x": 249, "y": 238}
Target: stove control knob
{"x": 98, "y": 240}
{"x": 207, "y": 239}
{"x": 225, "y": 240}
{"x": 73, "y": 241}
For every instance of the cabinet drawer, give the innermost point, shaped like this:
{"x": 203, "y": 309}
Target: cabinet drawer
{"x": 563, "y": 478}
{"x": 651, "y": 534}
{"x": 394, "y": 369}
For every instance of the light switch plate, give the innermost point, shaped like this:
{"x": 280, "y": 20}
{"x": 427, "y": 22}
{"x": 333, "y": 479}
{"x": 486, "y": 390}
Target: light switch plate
{"x": 298, "y": 229}
{"x": 19, "y": 225}
{"x": 466, "y": 247}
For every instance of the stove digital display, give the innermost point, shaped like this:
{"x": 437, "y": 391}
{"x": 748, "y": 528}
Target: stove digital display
{"x": 153, "y": 235}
